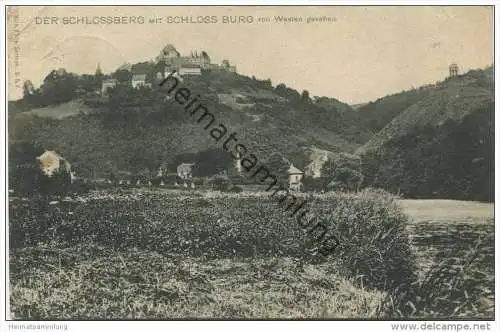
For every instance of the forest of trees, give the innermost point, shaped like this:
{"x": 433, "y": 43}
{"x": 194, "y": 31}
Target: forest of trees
{"x": 453, "y": 161}
{"x": 342, "y": 172}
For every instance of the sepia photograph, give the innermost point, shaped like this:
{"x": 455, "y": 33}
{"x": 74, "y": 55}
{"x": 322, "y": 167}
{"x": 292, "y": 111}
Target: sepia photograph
{"x": 217, "y": 162}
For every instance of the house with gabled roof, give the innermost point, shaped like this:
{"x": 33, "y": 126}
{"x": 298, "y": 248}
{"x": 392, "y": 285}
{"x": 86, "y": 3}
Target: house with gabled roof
{"x": 51, "y": 163}
{"x": 295, "y": 176}
{"x": 138, "y": 80}
{"x": 185, "y": 170}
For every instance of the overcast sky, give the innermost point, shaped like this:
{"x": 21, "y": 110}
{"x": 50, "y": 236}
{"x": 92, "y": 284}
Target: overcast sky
{"x": 364, "y": 54}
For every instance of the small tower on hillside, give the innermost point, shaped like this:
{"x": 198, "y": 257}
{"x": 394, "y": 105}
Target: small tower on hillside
{"x": 98, "y": 71}
{"x": 453, "y": 69}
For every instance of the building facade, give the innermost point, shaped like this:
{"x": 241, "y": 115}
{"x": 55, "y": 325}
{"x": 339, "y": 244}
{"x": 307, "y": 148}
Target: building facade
{"x": 52, "y": 163}
{"x": 175, "y": 61}
{"x": 295, "y": 176}
{"x": 185, "y": 170}
{"x": 190, "y": 70}
{"x": 138, "y": 80}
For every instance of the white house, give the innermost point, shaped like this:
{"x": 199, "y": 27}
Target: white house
{"x": 185, "y": 170}
{"x": 138, "y": 80}
{"x": 51, "y": 163}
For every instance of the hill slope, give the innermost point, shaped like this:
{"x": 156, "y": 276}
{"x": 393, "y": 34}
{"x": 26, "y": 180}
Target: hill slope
{"x": 61, "y": 110}
{"x": 376, "y": 115}
{"x": 140, "y": 128}
{"x": 440, "y": 146}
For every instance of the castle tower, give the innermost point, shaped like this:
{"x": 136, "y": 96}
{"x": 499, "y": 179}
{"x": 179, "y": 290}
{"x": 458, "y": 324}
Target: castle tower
{"x": 167, "y": 53}
{"x": 453, "y": 69}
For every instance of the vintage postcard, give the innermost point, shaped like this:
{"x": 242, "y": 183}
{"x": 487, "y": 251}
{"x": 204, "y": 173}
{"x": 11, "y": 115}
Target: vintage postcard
{"x": 251, "y": 162}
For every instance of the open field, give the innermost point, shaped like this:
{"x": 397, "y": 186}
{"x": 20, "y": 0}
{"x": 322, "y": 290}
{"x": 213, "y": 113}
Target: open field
{"x": 443, "y": 211}
{"x": 447, "y": 228}
{"x": 60, "y": 111}
{"x": 169, "y": 254}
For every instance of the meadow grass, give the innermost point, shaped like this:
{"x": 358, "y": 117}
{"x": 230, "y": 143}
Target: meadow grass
{"x": 105, "y": 284}
{"x": 173, "y": 254}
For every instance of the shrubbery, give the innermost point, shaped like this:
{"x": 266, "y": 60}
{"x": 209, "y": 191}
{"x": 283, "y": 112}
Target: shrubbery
{"x": 370, "y": 226}
{"x": 453, "y": 287}
{"x": 314, "y": 184}
{"x": 454, "y": 161}
{"x": 236, "y": 189}
{"x": 341, "y": 172}
{"x": 374, "y": 244}
{"x": 374, "y": 247}
{"x": 220, "y": 182}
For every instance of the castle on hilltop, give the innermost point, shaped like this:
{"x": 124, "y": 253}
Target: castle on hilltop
{"x": 193, "y": 63}
{"x": 169, "y": 60}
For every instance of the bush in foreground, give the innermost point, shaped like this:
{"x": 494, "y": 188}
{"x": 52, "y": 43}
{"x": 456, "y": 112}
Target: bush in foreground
{"x": 220, "y": 182}
{"x": 455, "y": 287}
{"x": 374, "y": 244}
{"x": 236, "y": 189}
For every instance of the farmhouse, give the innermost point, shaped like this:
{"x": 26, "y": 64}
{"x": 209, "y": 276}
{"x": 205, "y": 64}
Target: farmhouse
{"x": 52, "y": 163}
{"x": 185, "y": 171}
{"x": 138, "y": 80}
{"x": 294, "y": 178}
{"x": 56, "y": 173}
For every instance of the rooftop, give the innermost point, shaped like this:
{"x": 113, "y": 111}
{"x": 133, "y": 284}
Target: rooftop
{"x": 294, "y": 170}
